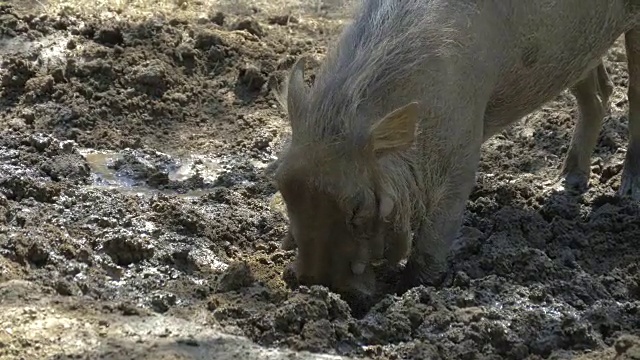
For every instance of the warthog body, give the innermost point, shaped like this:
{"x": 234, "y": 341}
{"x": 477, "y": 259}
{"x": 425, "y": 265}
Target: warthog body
{"x": 386, "y": 142}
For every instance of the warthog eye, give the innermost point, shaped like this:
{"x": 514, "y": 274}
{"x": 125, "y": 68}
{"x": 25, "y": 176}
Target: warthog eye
{"x": 354, "y": 219}
{"x": 362, "y": 208}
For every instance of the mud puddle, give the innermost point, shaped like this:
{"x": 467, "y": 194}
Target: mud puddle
{"x": 149, "y": 172}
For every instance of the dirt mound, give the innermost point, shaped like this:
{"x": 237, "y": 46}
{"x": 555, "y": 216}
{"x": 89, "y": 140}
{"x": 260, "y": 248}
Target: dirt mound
{"x": 133, "y": 200}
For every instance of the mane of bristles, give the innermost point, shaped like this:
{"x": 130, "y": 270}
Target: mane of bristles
{"x": 378, "y": 52}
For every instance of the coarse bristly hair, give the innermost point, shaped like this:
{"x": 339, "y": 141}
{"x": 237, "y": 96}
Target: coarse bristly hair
{"x": 375, "y": 56}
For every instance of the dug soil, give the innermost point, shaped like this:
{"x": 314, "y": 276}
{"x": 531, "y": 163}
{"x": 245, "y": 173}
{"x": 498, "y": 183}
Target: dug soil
{"x": 136, "y": 221}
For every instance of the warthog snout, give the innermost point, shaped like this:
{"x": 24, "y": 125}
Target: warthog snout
{"x": 331, "y": 249}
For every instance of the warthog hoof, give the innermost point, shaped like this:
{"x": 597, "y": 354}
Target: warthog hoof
{"x": 575, "y": 181}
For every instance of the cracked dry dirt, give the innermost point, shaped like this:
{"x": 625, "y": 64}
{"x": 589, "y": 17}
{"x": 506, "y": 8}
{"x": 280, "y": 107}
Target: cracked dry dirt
{"x": 136, "y": 223}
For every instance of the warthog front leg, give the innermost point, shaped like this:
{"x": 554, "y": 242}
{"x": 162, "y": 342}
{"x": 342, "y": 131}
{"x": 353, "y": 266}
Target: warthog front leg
{"x": 450, "y": 177}
{"x": 592, "y": 94}
{"x": 630, "y": 184}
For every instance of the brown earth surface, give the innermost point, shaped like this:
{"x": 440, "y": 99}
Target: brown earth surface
{"x": 136, "y": 222}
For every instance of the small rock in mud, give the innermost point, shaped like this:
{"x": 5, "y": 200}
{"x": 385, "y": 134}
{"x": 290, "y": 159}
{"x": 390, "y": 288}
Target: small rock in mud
{"x": 141, "y": 165}
{"x": 151, "y": 78}
{"x": 215, "y": 54}
{"x": 237, "y": 276}
{"x": 28, "y": 115}
{"x": 217, "y": 18}
{"x": 125, "y": 250}
{"x": 251, "y": 26}
{"x": 39, "y": 85}
{"x": 162, "y": 302}
{"x": 58, "y": 75}
{"x": 128, "y": 309}
{"x": 205, "y": 39}
{"x": 67, "y": 288}
{"x": 109, "y": 36}
{"x": 283, "y": 20}
{"x": 40, "y": 141}
{"x": 158, "y": 179}
{"x": 251, "y": 78}
{"x": 37, "y": 254}
{"x": 185, "y": 52}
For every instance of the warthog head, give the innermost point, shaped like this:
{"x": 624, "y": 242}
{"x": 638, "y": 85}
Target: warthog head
{"x": 339, "y": 200}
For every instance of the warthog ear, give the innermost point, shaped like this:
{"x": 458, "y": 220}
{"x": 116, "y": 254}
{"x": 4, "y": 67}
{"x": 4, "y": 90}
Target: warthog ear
{"x": 293, "y": 90}
{"x": 396, "y": 131}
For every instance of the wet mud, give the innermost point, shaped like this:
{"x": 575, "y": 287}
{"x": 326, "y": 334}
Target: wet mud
{"x": 134, "y": 200}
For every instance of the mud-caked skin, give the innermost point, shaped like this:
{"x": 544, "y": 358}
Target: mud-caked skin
{"x": 386, "y": 142}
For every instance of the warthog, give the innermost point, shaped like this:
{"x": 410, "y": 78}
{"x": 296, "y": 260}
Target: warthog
{"x": 386, "y": 142}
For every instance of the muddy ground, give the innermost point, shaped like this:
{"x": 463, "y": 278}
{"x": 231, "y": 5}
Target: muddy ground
{"x": 136, "y": 222}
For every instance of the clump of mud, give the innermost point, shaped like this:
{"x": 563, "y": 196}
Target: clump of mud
{"x": 38, "y": 166}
